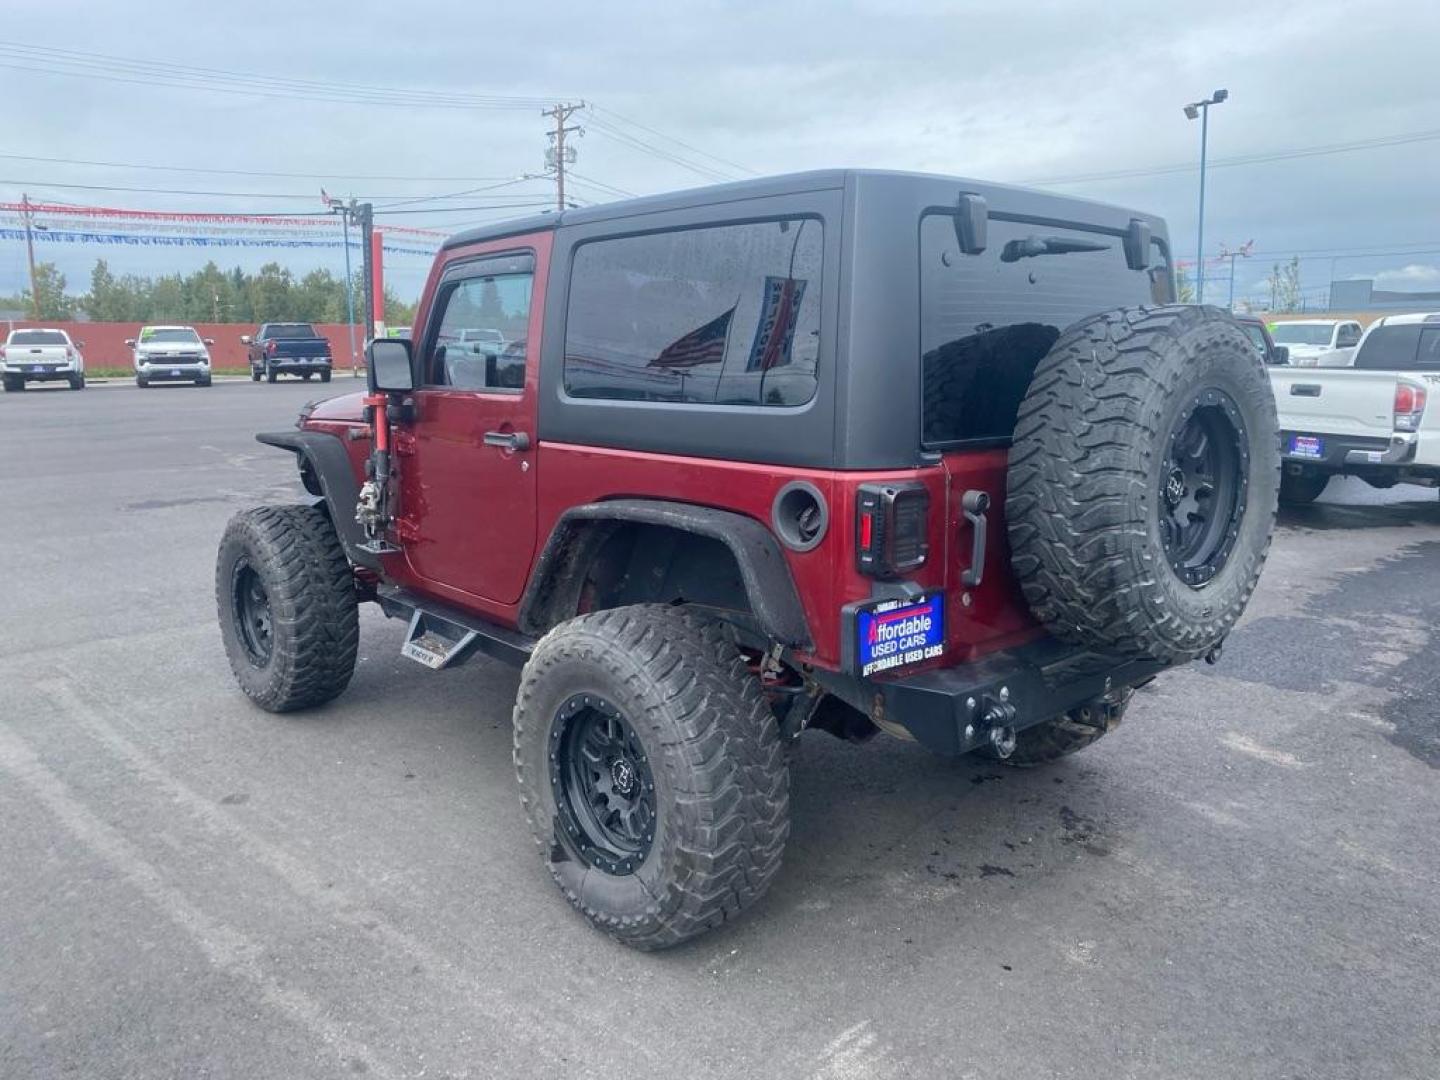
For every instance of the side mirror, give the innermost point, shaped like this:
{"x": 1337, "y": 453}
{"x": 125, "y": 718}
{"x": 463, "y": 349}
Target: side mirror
{"x": 1282, "y": 354}
{"x": 209, "y": 341}
{"x": 387, "y": 366}
{"x": 130, "y": 341}
{"x": 244, "y": 339}
{"x": 79, "y": 344}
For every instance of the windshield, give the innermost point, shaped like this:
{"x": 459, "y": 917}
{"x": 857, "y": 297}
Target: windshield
{"x": 290, "y": 330}
{"x": 1302, "y": 333}
{"x": 37, "y": 337}
{"x": 986, "y": 320}
{"x": 151, "y": 335}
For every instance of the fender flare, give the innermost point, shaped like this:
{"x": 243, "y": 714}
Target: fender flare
{"x": 553, "y": 590}
{"x": 329, "y": 462}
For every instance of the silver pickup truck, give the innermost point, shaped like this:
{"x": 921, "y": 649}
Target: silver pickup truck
{"x": 1378, "y": 420}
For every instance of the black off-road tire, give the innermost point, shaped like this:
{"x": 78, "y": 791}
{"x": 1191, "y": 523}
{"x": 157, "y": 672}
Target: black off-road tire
{"x": 14, "y": 383}
{"x": 720, "y": 778}
{"x": 315, "y": 628}
{"x": 1304, "y": 489}
{"x": 1086, "y": 474}
{"x": 1062, "y": 735}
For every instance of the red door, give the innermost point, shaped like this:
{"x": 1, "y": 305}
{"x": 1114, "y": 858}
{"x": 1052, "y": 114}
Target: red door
{"x": 467, "y": 462}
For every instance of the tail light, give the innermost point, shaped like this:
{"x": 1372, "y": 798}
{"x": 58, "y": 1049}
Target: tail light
{"x": 270, "y": 348}
{"x": 1409, "y": 405}
{"x": 892, "y": 528}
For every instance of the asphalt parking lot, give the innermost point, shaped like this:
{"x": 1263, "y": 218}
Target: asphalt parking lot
{"x": 1243, "y": 881}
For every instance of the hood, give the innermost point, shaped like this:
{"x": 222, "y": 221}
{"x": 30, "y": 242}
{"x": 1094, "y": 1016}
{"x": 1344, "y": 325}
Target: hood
{"x": 347, "y": 408}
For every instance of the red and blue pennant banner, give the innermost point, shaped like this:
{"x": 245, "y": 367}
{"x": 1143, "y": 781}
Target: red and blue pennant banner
{"x": 775, "y": 334}
{"x": 187, "y": 218}
{"x": 67, "y": 236}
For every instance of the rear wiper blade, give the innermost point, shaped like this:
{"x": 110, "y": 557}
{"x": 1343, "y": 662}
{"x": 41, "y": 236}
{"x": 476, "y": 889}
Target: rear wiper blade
{"x": 1030, "y": 246}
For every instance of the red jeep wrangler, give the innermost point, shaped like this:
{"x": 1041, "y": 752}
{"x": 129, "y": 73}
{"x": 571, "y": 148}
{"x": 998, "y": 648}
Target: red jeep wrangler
{"x": 843, "y": 450}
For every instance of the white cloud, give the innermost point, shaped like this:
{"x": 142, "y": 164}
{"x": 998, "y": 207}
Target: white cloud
{"x": 1412, "y": 276}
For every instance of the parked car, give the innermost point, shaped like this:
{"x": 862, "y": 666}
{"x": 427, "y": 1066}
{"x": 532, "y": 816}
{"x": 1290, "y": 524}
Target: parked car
{"x": 1259, "y": 335}
{"x": 856, "y": 451}
{"x": 288, "y": 349}
{"x": 170, "y": 354}
{"x": 43, "y": 354}
{"x": 1318, "y": 342}
{"x": 1373, "y": 420}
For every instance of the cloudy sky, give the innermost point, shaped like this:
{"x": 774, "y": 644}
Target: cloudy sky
{"x": 1065, "y": 94}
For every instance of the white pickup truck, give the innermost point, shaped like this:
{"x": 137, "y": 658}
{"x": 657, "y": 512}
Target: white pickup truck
{"x": 1370, "y": 420}
{"x": 1318, "y": 342}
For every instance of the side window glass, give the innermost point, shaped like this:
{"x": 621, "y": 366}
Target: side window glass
{"x": 716, "y": 314}
{"x": 479, "y": 342}
{"x": 1349, "y": 336}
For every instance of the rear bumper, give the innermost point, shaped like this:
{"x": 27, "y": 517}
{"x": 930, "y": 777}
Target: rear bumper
{"x": 295, "y": 365}
{"x": 951, "y": 710}
{"x": 45, "y": 373}
{"x": 1343, "y": 450}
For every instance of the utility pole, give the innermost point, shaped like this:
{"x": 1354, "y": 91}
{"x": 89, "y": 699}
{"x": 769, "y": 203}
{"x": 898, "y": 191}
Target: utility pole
{"x": 365, "y": 217}
{"x": 30, "y": 255}
{"x": 338, "y": 207}
{"x": 1242, "y": 252}
{"x": 558, "y": 155}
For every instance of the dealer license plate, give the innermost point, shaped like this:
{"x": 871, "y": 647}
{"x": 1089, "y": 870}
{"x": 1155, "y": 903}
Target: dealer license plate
{"x": 895, "y": 633}
{"x": 36, "y": 367}
{"x": 174, "y": 373}
{"x": 1307, "y": 446}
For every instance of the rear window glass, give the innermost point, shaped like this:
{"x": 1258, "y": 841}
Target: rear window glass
{"x": 1410, "y": 347}
{"x": 37, "y": 337}
{"x": 987, "y": 319}
{"x": 1302, "y": 333}
{"x": 726, "y": 314}
{"x": 290, "y": 330}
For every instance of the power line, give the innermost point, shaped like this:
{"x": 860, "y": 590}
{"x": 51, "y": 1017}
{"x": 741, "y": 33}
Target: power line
{"x": 635, "y": 143}
{"x": 287, "y": 196}
{"x": 670, "y": 138}
{"x": 1379, "y": 143}
{"x": 585, "y": 181}
{"x": 247, "y": 172}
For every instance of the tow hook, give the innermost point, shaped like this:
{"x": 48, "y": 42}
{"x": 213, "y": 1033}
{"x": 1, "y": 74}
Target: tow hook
{"x": 998, "y": 716}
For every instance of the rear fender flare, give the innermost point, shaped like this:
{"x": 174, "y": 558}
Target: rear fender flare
{"x": 330, "y": 465}
{"x": 552, "y": 594}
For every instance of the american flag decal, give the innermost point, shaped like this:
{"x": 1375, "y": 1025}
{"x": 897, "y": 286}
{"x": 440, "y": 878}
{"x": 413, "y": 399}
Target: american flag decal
{"x": 704, "y": 345}
{"x": 776, "y": 333}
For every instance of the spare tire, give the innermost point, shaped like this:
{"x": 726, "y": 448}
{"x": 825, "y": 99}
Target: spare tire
{"x": 1142, "y": 482}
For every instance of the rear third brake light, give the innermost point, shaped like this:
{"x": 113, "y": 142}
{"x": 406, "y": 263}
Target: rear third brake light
{"x": 892, "y": 527}
{"x": 1409, "y": 405}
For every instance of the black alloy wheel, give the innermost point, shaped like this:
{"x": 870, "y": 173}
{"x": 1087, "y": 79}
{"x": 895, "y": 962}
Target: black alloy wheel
{"x": 602, "y": 784}
{"x": 252, "y": 614}
{"x": 1203, "y": 486}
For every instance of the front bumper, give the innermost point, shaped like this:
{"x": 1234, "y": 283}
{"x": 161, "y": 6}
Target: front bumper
{"x": 184, "y": 372}
{"x": 951, "y": 710}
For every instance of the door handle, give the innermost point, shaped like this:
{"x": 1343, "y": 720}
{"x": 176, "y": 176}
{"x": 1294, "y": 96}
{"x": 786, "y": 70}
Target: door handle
{"x": 1305, "y": 389}
{"x": 508, "y": 440}
{"x": 973, "y": 505}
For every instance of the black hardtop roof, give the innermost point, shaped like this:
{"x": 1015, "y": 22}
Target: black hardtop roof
{"x": 1040, "y": 203}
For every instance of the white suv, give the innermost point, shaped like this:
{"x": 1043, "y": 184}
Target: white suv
{"x": 42, "y": 354}
{"x": 171, "y": 354}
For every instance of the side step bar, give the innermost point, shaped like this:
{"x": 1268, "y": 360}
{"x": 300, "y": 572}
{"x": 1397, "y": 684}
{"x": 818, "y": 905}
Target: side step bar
{"x": 440, "y": 635}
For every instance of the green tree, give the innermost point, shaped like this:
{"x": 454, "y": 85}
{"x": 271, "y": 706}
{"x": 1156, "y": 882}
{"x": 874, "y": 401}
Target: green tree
{"x": 53, "y": 303}
{"x": 271, "y": 293}
{"x": 106, "y": 301}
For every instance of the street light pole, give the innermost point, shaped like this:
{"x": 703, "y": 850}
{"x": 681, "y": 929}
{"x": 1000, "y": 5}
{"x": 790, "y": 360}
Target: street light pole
{"x": 344, "y": 212}
{"x": 1201, "y": 109}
